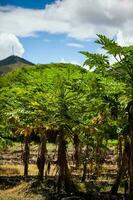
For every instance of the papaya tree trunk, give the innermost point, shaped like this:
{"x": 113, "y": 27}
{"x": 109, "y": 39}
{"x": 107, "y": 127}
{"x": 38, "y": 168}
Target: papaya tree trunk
{"x": 41, "y": 156}
{"x": 131, "y": 167}
{"x": 98, "y": 155}
{"x": 76, "y": 148}
{"x": 64, "y": 181}
{"x": 85, "y": 164}
{"x": 122, "y": 169}
{"x": 129, "y": 109}
{"x": 119, "y": 151}
{"x": 26, "y": 152}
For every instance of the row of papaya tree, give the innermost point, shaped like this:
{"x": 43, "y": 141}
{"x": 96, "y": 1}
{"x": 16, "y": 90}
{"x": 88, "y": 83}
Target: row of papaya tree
{"x": 84, "y": 106}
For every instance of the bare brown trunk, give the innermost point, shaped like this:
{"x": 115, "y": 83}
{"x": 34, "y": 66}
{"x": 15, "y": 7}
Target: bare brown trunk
{"x": 26, "y": 151}
{"x": 98, "y": 157}
{"x": 122, "y": 170}
{"x": 131, "y": 167}
{"x": 64, "y": 175}
{"x": 76, "y": 147}
{"x": 41, "y": 156}
{"x": 119, "y": 151}
{"x": 85, "y": 164}
{"x": 129, "y": 109}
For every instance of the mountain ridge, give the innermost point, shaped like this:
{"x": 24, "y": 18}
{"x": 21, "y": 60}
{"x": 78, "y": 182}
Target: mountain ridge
{"x": 13, "y": 62}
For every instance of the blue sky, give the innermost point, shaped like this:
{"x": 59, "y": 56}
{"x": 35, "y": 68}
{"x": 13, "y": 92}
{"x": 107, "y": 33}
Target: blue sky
{"x": 47, "y": 47}
{"x": 36, "y": 4}
{"x": 45, "y": 31}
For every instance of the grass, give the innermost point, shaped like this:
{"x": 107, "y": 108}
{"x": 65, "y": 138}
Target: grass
{"x": 16, "y": 146}
{"x": 20, "y": 192}
{"x": 13, "y": 170}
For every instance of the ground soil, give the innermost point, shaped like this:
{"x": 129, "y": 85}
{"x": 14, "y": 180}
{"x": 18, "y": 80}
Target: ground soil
{"x": 13, "y": 186}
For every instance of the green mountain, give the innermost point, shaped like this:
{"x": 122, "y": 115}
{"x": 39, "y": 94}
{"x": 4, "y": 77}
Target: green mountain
{"x": 13, "y": 62}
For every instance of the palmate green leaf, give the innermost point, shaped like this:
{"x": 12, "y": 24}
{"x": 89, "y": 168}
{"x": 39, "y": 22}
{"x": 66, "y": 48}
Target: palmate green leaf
{"x": 37, "y": 94}
{"x": 96, "y": 60}
{"x": 55, "y": 95}
{"x": 109, "y": 45}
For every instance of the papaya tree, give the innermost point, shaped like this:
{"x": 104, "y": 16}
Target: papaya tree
{"x": 36, "y": 101}
{"x": 122, "y": 72}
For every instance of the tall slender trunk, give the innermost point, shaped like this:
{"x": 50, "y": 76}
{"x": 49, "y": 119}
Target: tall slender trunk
{"x": 41, "y": 156}
{"x": 119, "y": 151}
{"x": 76, "y": 148}
{"x": 98, "y": 156}
{"x": 85, "y": 164}
{"x": 129, "y": 109}
{"x": 131, "y": 167}
{"x": 64, "y": 181}
{"x": 26, "y": 152}
{"x": 122, "y": 170}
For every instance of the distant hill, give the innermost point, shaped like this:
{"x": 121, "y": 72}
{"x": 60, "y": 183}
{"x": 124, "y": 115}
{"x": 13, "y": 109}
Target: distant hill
{"x": 12, "y": 62}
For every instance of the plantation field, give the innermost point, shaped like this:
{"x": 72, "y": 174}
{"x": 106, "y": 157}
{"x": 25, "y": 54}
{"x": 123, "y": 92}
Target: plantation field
{"x": 89, "y": 116}
{"x": 14, "y": 186}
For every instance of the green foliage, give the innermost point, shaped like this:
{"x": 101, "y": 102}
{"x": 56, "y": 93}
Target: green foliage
{"x": 46, "y": 95}
{"x": 52, "y": 96}
{"x": 110, "y": 45}
{"x": 116, "y": 79}
{"x": 67, "y": 95}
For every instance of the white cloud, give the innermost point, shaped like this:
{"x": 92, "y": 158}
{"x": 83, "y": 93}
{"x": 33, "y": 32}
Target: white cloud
{"x": 70, "y": 61}
{"x": 8, "y": 42}
{"x": 76, "y": 18}
{"x": 75, "y": 45}
{"x": 124, "y": 39}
